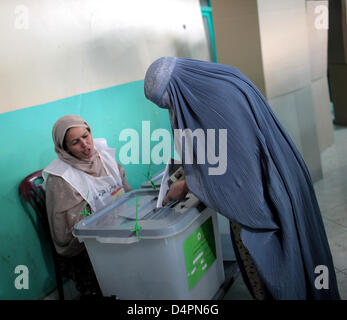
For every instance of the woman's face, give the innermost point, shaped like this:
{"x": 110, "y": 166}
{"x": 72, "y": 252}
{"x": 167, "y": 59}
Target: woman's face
{"x": 79, "y": 142}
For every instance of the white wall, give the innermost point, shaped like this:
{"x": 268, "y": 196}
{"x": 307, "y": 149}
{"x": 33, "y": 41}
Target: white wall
{"x": 56, "y": 49}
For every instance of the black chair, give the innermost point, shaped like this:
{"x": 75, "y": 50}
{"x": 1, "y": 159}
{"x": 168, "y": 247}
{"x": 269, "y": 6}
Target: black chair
{"x": 31, "y": 191}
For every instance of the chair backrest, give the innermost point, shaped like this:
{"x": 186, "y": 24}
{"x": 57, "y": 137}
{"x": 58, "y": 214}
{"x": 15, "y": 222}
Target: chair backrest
{"x": 30, "y": 189}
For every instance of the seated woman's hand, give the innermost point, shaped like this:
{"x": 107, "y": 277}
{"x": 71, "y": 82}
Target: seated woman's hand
{"x": 177, "y": 191}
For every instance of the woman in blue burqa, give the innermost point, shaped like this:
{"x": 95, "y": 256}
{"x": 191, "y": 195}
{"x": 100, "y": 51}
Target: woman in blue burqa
{"x": 266, "y": 190}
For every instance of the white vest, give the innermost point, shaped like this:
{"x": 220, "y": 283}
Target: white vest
{"x": 99, "y": 192}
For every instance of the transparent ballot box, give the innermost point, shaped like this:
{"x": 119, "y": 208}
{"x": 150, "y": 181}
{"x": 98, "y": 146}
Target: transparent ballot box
{"x": 139, "y": 251}
{"x": 153, "y": 181}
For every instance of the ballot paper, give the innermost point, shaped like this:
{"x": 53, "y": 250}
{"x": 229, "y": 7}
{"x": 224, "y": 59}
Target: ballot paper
{"x": 164, "y": 187}
{"x": 145, "y": 205}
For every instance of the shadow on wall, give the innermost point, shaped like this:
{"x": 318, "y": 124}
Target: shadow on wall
{"x": 183, "y": 51}
{"x": 144, "y": 47}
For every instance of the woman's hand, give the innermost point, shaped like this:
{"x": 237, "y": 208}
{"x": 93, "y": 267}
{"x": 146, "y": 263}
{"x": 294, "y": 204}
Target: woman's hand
{"x": 177, "y": 191}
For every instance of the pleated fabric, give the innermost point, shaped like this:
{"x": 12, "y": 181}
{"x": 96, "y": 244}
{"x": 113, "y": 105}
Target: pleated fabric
{"x": 266, "y": 187}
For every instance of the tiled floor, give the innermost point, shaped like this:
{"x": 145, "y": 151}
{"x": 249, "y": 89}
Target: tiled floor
{"x": 331, "y": 192}
{"x": 332, "y": 197}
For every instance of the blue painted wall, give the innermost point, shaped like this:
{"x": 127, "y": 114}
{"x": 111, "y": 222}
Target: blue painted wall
{"x": 27, "y": 146}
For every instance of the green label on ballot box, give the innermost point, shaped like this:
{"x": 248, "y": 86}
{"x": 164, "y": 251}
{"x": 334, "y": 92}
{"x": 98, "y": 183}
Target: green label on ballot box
{"x": 199, "y": 252}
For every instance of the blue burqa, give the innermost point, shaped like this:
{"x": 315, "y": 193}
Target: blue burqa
{"x": 266, "y": 187}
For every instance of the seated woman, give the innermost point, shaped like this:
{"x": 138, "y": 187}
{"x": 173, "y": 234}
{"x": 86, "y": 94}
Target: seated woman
{"x": 84, "y": 176}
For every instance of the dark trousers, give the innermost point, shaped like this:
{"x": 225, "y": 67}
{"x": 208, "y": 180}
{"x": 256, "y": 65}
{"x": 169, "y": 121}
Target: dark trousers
{"x": 80, "y": 270}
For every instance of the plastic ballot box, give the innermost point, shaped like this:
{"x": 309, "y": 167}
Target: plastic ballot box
{"x": 153, "y": 182}
{"x": 223, "y": 223}
{"x": 139, "y": 251}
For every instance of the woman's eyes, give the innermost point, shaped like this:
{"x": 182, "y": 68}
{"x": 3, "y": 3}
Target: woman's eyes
{"x": 74, "y": 142}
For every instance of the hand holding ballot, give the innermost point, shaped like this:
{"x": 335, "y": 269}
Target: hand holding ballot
{"x": 178, "y": 190}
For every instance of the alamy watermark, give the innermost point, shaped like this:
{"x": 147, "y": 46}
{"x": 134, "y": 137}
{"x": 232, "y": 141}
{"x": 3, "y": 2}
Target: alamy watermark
{"x": 321, "y": 22}
{"x": 21, "y": 21}
{"x": 322, "y": 281}
{"x": 22, "y": 280}
{"x": 202, "y": 151}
